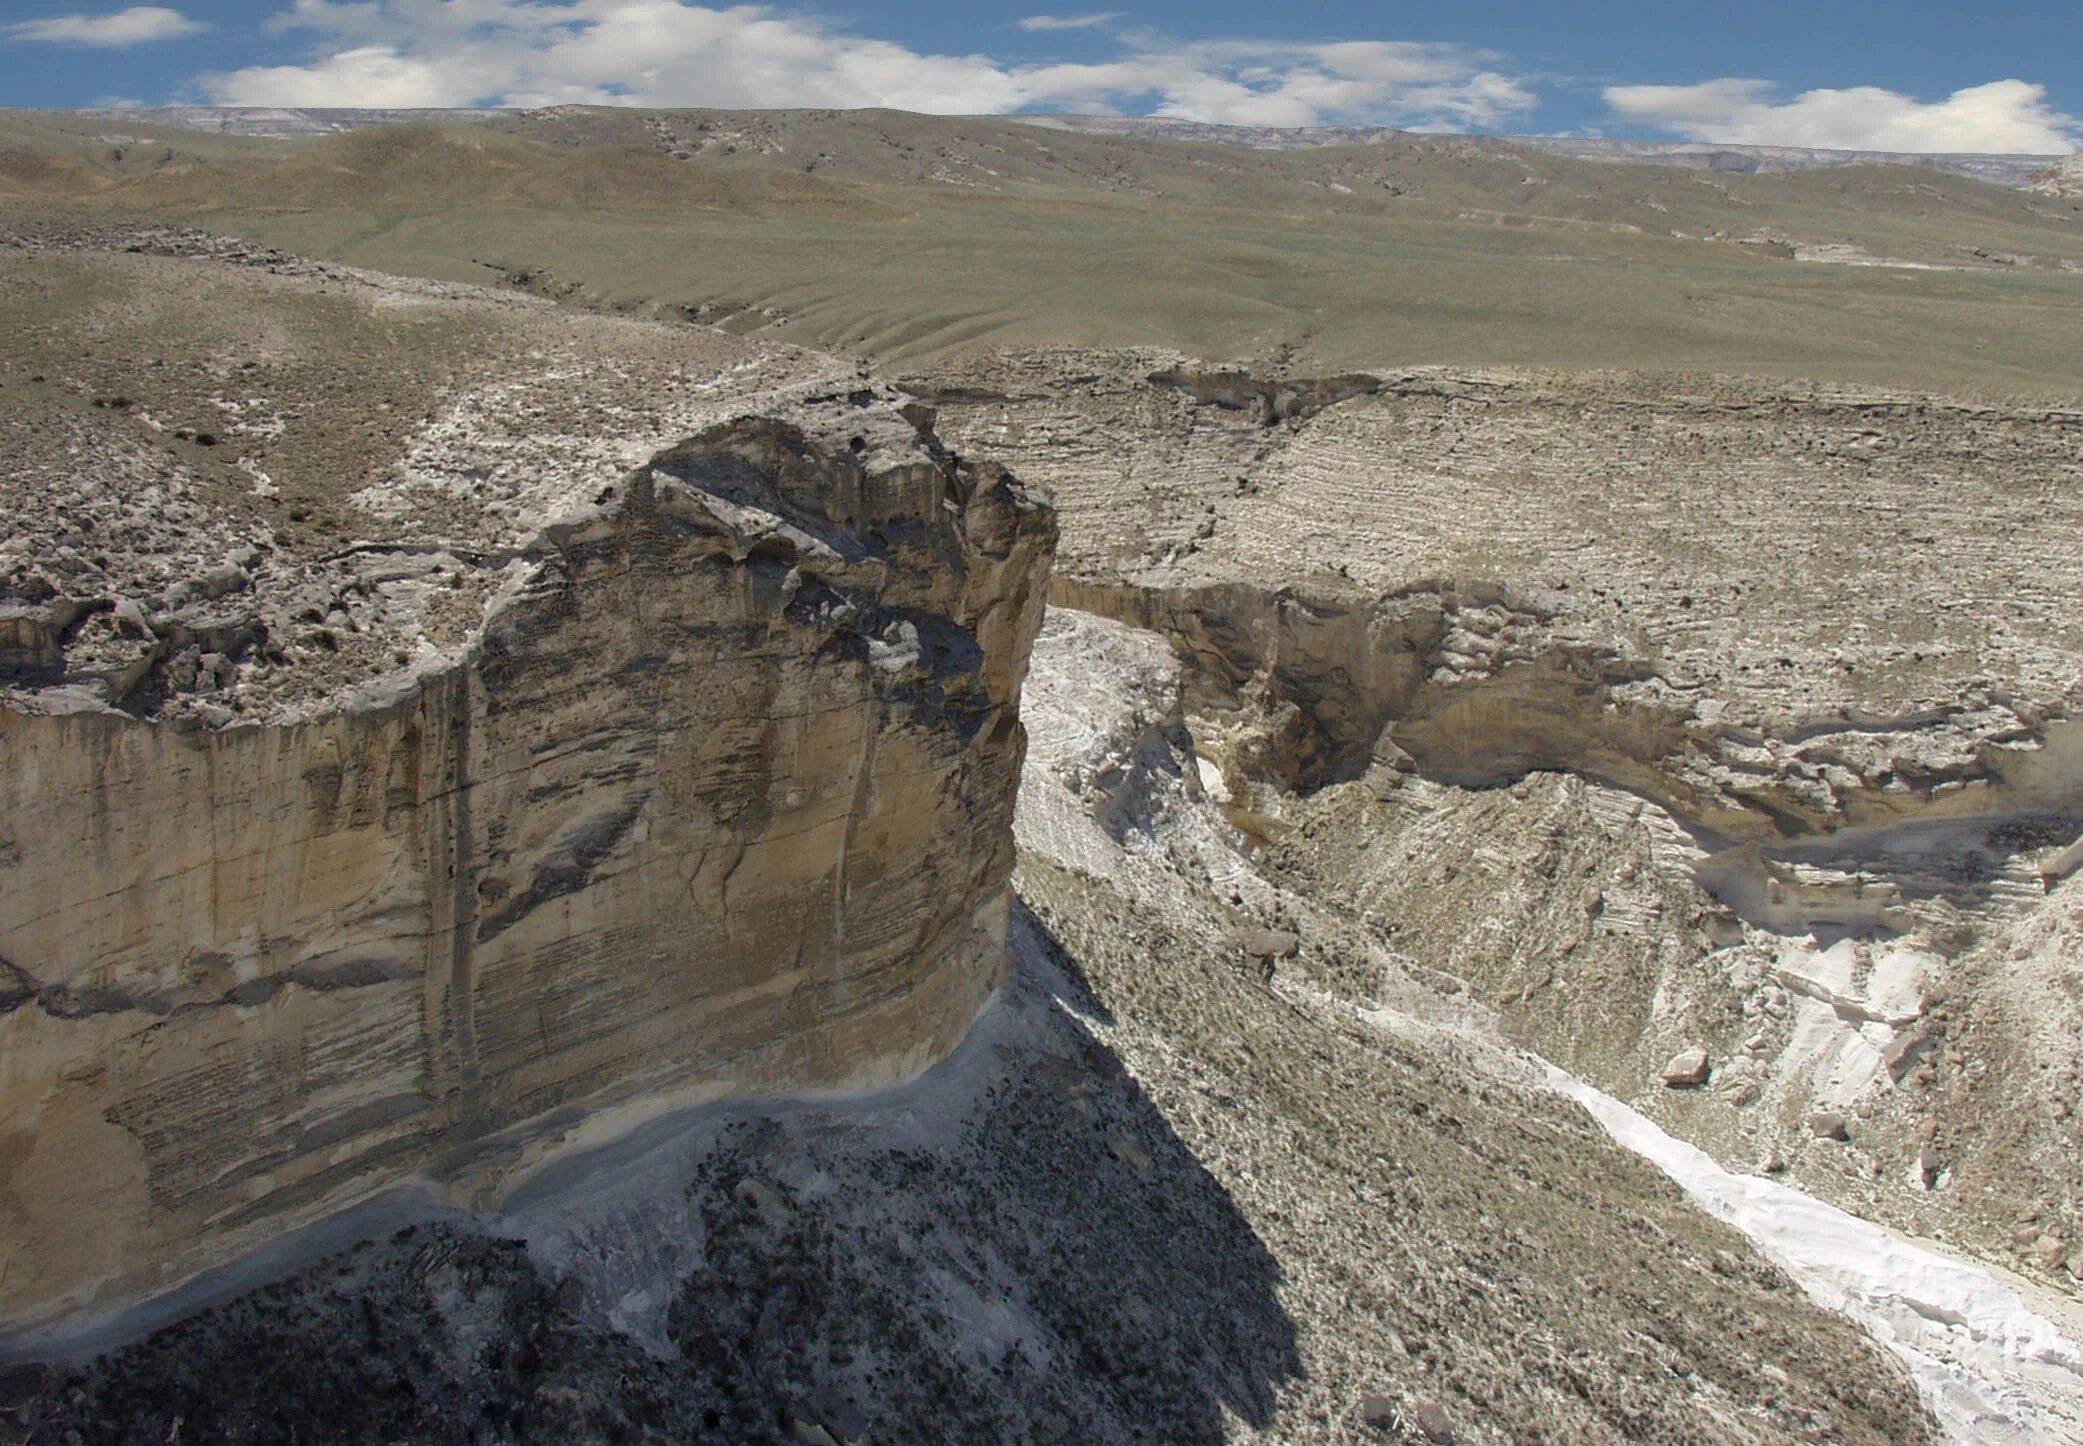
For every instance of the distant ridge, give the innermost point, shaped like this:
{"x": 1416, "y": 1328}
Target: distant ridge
{"x": 285, "y": 122}
{"x": 269, "y": 122}
{"x": 2004, "y": 170}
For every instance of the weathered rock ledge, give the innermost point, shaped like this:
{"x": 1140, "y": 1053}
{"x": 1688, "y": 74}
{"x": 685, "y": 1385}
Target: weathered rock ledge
{"x": 718, "y": 799}
{"x": 1469, "y": 684}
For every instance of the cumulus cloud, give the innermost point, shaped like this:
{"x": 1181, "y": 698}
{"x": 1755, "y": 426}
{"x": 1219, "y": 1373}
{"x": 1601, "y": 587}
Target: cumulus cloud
{"x": 139, "y": 25}
{"x": 2004, "y": 115}
{"x": 1409, "y": 83}
{"x": 667, "y": 53}
{"x": 366, "y": 75}
{"x": 1068, "y": 22}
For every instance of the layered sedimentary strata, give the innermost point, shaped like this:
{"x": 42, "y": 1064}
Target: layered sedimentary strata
{"x": 1153, "y": 1196}
{"x": 1779, "y": 613}
{"x": 1667, "y": 716}
{"x": 717, "y": 799}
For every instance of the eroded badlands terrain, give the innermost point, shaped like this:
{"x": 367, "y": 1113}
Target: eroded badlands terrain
{"x": 1702, "y": 728}
{"x": 591, "y": 717}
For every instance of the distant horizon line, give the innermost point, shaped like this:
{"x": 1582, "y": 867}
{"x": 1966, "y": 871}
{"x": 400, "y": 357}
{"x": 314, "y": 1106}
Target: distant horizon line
{"x": 1670, "y": 146}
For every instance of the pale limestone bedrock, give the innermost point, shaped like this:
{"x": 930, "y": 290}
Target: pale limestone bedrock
{"x": 719, "y": 800}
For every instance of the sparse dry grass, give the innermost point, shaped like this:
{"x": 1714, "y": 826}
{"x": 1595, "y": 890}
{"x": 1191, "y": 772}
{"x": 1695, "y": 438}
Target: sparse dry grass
{"x": 910, "y": 240}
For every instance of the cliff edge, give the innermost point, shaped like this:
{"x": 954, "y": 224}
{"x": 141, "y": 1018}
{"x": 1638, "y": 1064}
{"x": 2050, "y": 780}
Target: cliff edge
{"x": 717, "y": 799}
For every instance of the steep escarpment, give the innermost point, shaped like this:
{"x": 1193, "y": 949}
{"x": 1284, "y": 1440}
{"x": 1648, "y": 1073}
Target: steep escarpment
{"x": 1154, "y": 1195}
{"x": 716, "y": 799}
{"x": 1469, "y": 685}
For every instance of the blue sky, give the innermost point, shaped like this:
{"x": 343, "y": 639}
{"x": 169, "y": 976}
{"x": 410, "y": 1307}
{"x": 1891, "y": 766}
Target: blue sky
{"x": 1905, "y": 75}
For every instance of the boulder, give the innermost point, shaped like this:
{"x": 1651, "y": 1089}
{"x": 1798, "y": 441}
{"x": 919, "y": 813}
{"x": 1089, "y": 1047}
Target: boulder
{"x": 1430, "y": 1420}
{"x": 1272, "y": 944}
{"x": 1829, "y": 1125}
{"x": 1688, "y": 1069}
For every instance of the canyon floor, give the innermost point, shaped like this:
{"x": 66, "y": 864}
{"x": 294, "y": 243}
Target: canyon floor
{"x": 1674, "y": 680}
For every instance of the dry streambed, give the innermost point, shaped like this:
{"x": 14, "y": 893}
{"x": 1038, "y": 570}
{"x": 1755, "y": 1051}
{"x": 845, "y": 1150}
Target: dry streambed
{"x": 1991, "y": 1368}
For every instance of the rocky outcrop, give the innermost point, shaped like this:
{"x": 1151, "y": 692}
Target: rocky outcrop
{"x": 1469, "y": 686}
{"x": 2063, "y": 178}
{"x": 1269, "y": 401}
{"x": 1325, "y": 675}
{"x": 718, "y": 799}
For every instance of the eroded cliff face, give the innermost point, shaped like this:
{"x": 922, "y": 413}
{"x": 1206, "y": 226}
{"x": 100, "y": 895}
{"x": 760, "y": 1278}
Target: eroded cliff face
{"x": 718, "y": 799}
{"x": 1722, "y": 737}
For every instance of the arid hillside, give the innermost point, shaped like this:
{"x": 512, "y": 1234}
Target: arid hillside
{"x": 906, "y": 239}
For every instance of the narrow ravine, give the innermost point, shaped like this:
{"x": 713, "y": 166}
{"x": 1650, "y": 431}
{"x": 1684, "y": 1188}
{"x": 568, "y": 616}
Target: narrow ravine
{"x": 1993, "y": 1371}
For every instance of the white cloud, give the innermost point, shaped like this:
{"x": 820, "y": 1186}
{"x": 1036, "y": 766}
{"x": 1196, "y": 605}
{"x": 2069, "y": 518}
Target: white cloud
{"x": 1068, "y": 22}
{"x": 1408, "y": 83}
{"x": 139, "y": 25}
{"x": 666, "y": 52}
{"x": 2004, "y": 115}
{"x": 367, "y": 75}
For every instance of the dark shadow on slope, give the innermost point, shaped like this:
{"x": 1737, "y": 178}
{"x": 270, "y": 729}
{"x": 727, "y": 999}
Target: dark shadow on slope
{"x": 1863, "y": 881}
{"x": 1047, "y": 964}
{"x": 1018, "y": 1247}
{"x": 1961, "y": 860}
{"x": 1080, "y": 1277}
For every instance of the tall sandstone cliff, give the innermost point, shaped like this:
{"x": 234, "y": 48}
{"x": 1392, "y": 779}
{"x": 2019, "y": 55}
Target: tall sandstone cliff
{"x": 719, "y": 800}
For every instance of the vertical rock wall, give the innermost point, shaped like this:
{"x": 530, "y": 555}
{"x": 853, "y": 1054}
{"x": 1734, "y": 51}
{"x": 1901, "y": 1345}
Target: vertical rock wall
{"x": 719, "y": 801}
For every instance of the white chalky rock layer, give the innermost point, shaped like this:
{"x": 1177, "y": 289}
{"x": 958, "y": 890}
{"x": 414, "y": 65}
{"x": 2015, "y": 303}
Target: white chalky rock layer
{"x": 1992, "y": 1371}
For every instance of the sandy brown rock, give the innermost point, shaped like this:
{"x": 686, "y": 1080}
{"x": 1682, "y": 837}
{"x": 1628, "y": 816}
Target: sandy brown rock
{"x": 718, "y": 799}
{"x": 1687, "y": 1069}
